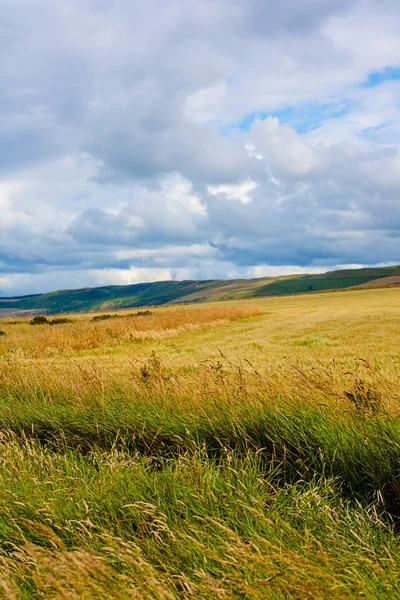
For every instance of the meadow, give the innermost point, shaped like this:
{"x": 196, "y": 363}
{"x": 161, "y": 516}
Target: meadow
{"x": 246, "y": 449}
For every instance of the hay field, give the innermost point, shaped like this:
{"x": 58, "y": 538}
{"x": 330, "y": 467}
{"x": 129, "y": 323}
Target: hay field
{"x": 231, "y": 450}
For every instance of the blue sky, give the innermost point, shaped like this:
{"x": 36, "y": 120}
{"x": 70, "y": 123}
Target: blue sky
{"x": 377, "y": 77}
{"x": 147, "y": 141}
{"x": 302, "y": 117}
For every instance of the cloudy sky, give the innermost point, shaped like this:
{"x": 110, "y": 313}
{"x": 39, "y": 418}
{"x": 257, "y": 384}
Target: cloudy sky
{"x": 143, "y": 140}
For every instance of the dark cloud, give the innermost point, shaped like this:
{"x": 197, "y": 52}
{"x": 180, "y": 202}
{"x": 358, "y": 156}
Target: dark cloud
{"x": 291, "y": 16}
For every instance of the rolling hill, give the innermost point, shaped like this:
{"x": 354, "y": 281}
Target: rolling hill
{"x": 115, "y": 297}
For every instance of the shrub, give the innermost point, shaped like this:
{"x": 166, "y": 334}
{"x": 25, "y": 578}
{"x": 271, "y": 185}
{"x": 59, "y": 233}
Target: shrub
{"x": 104, "y": 317}
{"x": 39, "y": 320}
{"x": 60, "y": 321}
{"x": 2, "y": 333}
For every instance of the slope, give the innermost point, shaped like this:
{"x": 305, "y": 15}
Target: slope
{"x": 167, "y": 292}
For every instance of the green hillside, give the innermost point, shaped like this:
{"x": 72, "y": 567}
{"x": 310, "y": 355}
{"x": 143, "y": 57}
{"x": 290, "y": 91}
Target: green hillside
{"x": 166, "y": 292}
{"x": 326, "y": 281}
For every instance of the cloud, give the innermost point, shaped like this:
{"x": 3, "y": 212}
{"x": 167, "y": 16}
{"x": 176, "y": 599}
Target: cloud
{"x": 239, "y": 191}
{"x": 282, "y": 148}
{"x": 150, "y": 217}
{"x": 213, "y": 139}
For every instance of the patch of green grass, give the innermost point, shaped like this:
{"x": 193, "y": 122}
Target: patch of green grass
{"x": 306, "y": 343}
{"x": 302, "y": 284}
{"x": 236, "y": 500}
{"x": 104, "y": 523}
{"x": 360, "y": 449}
{"x": 255, "y": 346}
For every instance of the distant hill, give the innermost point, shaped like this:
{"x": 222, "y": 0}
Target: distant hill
{"x": 113, "y": 297}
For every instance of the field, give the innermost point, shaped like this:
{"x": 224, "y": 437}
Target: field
{"x": 244, "y": 449}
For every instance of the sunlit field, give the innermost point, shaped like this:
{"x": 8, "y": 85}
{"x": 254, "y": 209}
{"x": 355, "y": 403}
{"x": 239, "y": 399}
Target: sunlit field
{"x": 246, "y": 449}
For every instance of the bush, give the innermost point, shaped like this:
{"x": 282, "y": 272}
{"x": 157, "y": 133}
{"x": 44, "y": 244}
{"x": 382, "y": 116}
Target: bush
{"x": 140, "y": 313}
{"x": 2, "y": 333}
{"x": 39, "y": 320}
{"x": 60, "y": 321}
{"x": 104, "y": 317}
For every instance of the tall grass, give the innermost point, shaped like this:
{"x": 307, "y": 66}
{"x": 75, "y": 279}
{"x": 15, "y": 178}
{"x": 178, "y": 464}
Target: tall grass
{"x": 117, "y": 524}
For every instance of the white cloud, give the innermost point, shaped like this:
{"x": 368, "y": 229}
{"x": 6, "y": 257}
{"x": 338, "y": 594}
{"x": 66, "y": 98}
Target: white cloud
{"x": 384, "y": 172}
{"x": 239, "y": 191}
{"x": 129, "y": 276}
{"x": 271, "y": 271}
{"x": 167, "y": 252}
{"x": 282, "y": 148}
{"x": 205, "y": 104}
{"x": 178, "y": 190}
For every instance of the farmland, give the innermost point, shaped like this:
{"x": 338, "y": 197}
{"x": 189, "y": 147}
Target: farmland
{"x": 239, "y": 449}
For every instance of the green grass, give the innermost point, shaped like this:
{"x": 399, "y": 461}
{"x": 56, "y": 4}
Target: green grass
{"x": 266, "y": 503}
{"x": 107, "y": 297}
{"x": 360, "y": 450}
{"x": 325, "y": 281}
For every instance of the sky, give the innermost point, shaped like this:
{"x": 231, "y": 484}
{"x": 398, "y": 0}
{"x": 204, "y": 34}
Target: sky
{"x": 152, "y": 140}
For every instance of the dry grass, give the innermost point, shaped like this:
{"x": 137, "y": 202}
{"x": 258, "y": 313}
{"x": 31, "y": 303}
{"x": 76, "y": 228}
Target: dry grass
{"x": 83, "y": 334}
{"x": 318, "y": 348}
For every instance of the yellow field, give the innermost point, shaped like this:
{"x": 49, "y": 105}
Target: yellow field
{"x": 317, "y": 345}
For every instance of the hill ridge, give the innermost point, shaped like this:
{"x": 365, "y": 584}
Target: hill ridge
{"x": 114, "y": 297}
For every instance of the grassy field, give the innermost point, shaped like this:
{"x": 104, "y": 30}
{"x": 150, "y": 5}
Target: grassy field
{"x": 246, "y": 449}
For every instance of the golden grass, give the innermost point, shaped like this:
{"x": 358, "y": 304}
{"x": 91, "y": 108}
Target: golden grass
{"x": 318, "y": 348}
{"x": 39, "y": 341}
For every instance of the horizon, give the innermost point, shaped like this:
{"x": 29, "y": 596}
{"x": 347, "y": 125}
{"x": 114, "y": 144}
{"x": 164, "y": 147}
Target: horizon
{"x": 145, "y": 142}
{"x": 299, "y": 274}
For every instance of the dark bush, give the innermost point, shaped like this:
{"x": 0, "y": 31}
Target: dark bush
{"x": 39, "y": 320}
{"x": 60, "y": 321}
{"x": 140, "y": 313}
{"x": 104, "y": 317}
{"x": 2, "y": 333}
